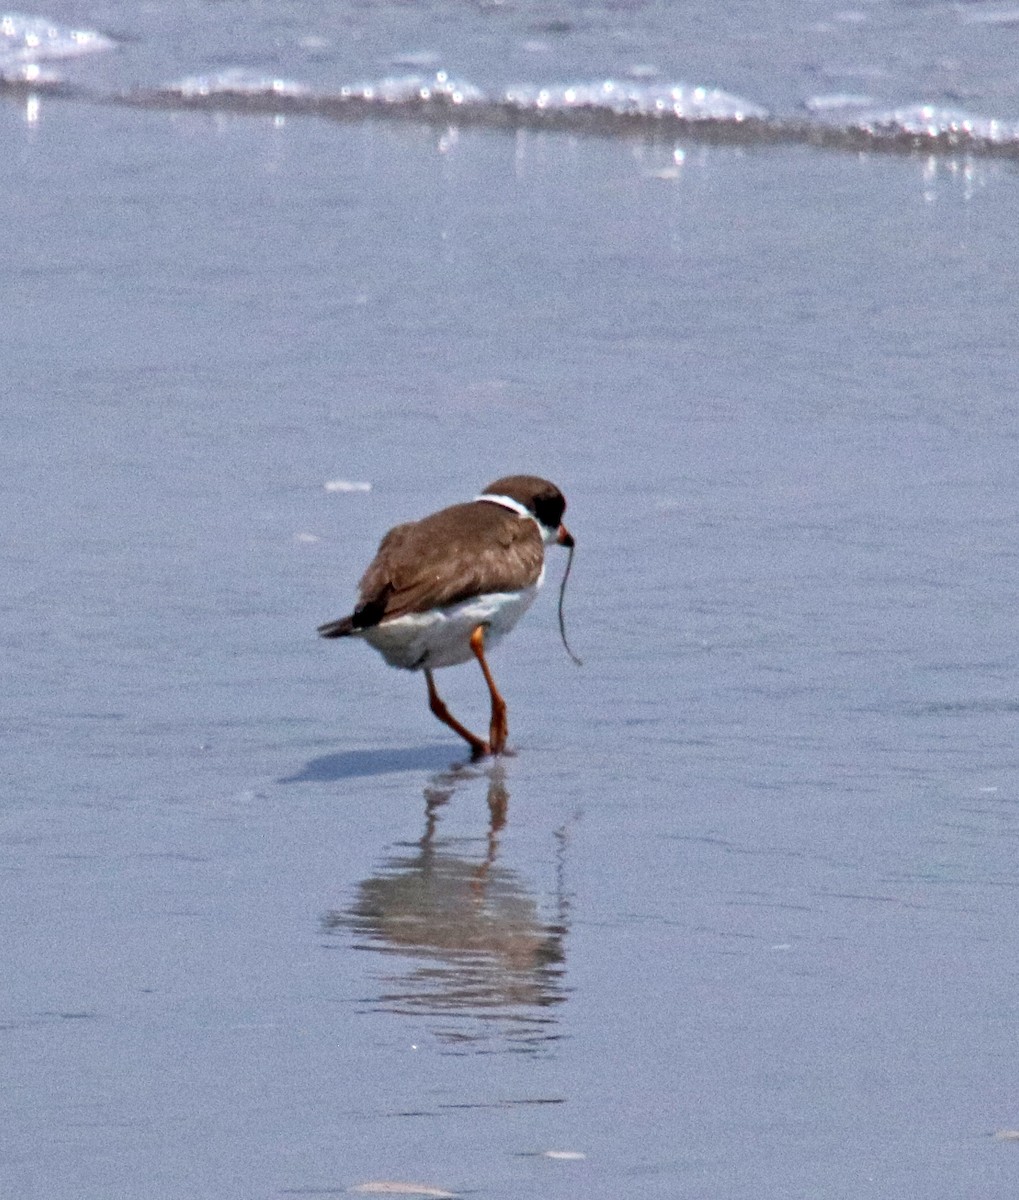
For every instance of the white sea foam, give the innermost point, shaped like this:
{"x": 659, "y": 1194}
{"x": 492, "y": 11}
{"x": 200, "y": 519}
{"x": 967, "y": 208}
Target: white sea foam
{"x": 415, "y": 89}
{"x": 837, "y": 104}
{"x": 631, "y": 98}
{"x": 236, "y": 81}
{"x": 839, "y": 119}
{"x": 25, "y": 38}
{"x": 346, "y": 485}
{"x": 930, "y": 121}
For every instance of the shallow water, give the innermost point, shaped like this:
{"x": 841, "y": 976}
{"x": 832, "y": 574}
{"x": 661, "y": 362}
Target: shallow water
{"x": 737, "y": 918}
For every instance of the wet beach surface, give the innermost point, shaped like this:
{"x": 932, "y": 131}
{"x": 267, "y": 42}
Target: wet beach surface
{"x": 738, "y": 916}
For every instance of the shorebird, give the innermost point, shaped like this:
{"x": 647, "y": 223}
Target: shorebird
{"x": 447, "y": 588}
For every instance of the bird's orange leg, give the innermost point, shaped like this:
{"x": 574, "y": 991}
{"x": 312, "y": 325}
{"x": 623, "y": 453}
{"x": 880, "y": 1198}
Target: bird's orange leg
{"x": 499, "y": 728}
{"x": 479, "y": 748}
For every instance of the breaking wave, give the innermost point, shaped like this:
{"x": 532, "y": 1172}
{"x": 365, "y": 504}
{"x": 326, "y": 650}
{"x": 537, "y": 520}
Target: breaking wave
{"x": 26, "y": 41}
{"x": 607, "y": 107}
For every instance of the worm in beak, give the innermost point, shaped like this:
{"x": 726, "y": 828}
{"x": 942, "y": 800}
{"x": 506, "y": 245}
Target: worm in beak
{"x": 565, "y": 538}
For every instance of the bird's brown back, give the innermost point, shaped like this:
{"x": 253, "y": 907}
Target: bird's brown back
{"x": 462, "y": 551}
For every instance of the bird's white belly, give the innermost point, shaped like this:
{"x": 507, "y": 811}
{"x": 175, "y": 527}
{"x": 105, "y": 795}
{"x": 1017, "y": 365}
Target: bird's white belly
{"x": 442, "y": 637}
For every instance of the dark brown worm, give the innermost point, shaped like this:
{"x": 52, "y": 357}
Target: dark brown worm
{"x": 562, "y": 623}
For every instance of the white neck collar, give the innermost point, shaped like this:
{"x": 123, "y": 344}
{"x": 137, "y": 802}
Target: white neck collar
{"x": 547, "y": 535}
{"x": 510, "y": 503}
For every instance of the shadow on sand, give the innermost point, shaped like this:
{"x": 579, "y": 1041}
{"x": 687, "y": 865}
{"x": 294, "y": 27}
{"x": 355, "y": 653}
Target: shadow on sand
{"x": 358, "y": 764}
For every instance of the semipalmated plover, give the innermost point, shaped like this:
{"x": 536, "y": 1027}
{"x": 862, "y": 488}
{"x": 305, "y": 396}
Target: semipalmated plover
{"x": 450, "y": 586}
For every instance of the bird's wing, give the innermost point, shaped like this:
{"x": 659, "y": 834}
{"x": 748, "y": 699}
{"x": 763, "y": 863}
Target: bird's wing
{"x": 463, "y": 551}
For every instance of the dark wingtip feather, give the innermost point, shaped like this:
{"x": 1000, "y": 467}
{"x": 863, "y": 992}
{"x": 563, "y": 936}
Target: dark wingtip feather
{"x": 344, "y": 627}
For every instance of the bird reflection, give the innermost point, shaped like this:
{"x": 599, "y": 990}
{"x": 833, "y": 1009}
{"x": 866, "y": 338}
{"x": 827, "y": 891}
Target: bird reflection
{"x": 468, "y": 943}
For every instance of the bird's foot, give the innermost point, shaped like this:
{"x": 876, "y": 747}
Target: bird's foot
{"x": 480, "y": 750}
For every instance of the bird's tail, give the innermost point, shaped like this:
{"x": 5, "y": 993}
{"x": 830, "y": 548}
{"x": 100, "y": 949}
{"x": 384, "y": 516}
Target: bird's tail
{"x": 344, "y": 627}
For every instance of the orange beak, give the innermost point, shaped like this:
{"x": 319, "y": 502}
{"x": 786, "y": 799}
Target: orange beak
{"x": 565, "y": 538}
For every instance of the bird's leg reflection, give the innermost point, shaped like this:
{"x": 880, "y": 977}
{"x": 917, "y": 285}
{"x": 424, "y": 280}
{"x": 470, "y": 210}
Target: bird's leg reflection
{"x": 498, "y": 806}
{"x": 439, "y": 791}
{"x": 498, "y": 800}
{"x": 435, "y": 798}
